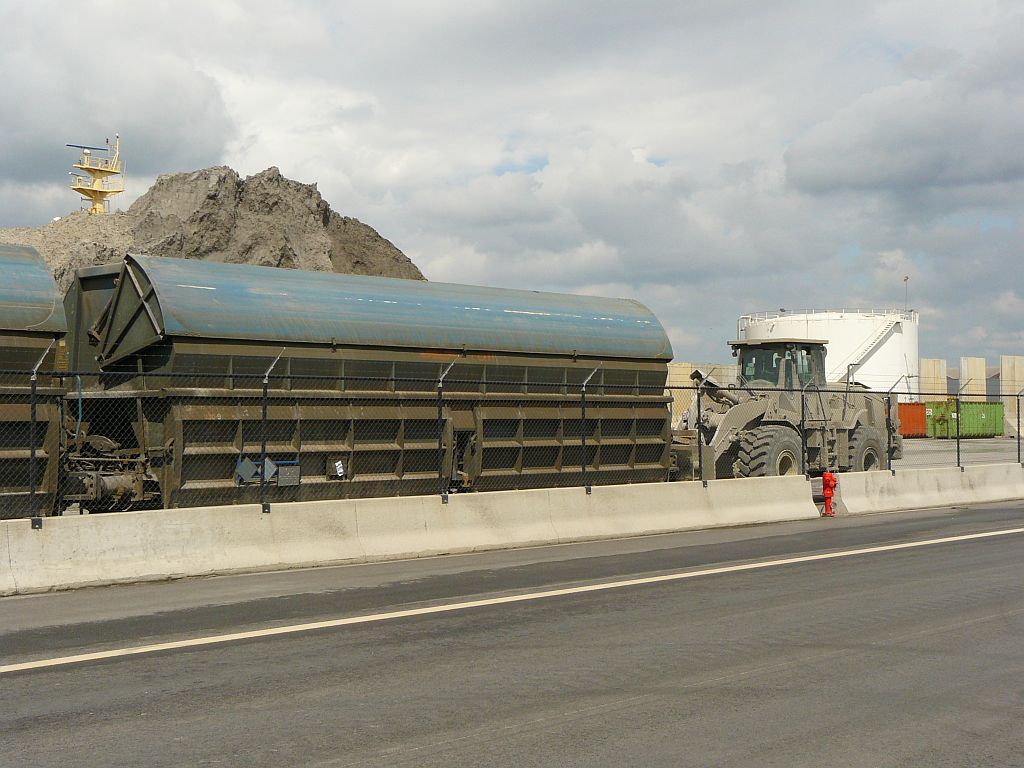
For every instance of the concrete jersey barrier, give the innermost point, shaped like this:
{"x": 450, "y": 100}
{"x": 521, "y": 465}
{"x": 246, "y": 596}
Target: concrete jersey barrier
{"x": 868, "y": 492}
{"x": 113, "y": 548}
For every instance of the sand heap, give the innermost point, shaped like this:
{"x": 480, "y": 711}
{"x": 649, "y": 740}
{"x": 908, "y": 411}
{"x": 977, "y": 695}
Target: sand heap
{"x": 214, "y": 214}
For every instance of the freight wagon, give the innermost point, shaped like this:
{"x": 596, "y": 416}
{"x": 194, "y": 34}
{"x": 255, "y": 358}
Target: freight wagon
{"x": 32, "y": 328}
{"x": 374, "y": 387}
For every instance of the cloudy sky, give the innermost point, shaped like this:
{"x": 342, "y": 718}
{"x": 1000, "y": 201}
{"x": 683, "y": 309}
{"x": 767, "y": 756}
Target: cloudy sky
{"x": 707, "y": 158}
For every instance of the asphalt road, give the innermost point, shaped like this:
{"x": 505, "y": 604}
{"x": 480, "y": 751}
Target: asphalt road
{"x": 902, "y": 657}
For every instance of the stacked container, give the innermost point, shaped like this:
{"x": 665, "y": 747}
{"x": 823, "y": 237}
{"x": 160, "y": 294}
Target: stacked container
{"x": 976, "y": 419}
{"x": 913, "y": 421}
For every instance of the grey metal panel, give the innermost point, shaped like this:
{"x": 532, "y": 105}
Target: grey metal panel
{"x": 84, "y": 305}
{"x": 132, "y": 322}
{"x": 780, "y": 340}
{"x": 231, "y": 301}
{"x": 29, "y": 299}
{"x": 289, "y": 475}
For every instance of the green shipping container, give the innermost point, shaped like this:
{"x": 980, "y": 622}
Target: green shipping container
{"x": 976, "y": 419}
{"x": 938, "y": 417}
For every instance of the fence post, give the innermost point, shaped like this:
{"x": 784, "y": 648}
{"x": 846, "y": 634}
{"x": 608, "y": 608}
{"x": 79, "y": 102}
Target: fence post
{"x": 1018, "y": 428}
{"x": 59, "y": 405}
{"x": 583, "y": 436}
{"x": 888, "y": 421}
{"x": 958, "y": 433}
{"x": 442, "y": 484}
{"x": 803, "y": 431}
{"x": 583, "y": 429}
{"x": 37, "y": 520}
{"x": 440, "y": 442}
{"x": 264, "y": 505}
{"x": 32, "y": 447}
{"x": 700, "y": 439}
{"x": 888, "y": 431}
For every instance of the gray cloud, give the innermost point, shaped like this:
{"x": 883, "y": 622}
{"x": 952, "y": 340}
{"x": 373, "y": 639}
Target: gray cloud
{"x": 960, "y": 128}
{"x": 709, "y": 159}
{"x": 62, "y": 86}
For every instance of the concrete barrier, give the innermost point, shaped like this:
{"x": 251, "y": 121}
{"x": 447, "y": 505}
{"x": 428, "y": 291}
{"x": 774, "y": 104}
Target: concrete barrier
{"x": 636, "y": 510}
{"x": 90, "y": 550}
{"x": 84, "y": 550}
{"x": 313, "y": 532}
{"x": 867, "y": 492}
{"x": 8, "y": 585}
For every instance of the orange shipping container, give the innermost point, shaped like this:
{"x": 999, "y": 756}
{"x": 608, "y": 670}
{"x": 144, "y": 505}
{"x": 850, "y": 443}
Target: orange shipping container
{"x": 912, "y": 420}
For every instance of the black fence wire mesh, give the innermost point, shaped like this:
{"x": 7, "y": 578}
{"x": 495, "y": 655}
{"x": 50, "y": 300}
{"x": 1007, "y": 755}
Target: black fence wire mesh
{"x": 74, "y": 443}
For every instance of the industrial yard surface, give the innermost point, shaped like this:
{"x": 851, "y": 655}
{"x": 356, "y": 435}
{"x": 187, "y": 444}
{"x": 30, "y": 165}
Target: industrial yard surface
{"x": 924, "y": 453}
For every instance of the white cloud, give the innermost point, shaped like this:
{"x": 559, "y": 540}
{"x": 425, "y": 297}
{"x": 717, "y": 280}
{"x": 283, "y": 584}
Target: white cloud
{"x": 1010, "y": 305}
{"x": 709, "y": 159}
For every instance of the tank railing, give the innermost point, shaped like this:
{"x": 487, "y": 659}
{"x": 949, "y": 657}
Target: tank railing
{"x": 905, "y": 314}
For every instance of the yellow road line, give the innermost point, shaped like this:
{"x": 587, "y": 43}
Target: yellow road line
{"x": 292, "y": 629}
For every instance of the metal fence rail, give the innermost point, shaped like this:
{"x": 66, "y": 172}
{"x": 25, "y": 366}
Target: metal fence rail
{"x": 67, "y": 445}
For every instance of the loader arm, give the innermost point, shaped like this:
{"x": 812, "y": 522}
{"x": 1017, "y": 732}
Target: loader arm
{"x": 736, "y": 420}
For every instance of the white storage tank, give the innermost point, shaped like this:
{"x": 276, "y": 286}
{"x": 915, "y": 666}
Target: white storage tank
{"x": 879, "y": 344}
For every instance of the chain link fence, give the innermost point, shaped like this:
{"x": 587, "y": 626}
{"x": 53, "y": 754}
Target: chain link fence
{"x": 93, "y": 442}
{"x": 742, "y": 431}
{"x": 114, "y": 441}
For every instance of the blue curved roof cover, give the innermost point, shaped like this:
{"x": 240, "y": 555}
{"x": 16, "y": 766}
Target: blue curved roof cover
{"x": 232, "y": 301}
{"x": 29, "y": 299}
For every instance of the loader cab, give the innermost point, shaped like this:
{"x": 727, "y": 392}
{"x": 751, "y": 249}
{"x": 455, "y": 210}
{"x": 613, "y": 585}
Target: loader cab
{"x": 780, "y": 363}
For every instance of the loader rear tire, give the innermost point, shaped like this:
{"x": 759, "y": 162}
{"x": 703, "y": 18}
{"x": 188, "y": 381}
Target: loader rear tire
{"x": 866, "y": 449}
{"x": 768, "y": 451}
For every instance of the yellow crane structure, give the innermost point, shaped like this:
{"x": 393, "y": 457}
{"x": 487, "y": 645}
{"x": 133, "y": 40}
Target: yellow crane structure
{"x": 97, "y": 182}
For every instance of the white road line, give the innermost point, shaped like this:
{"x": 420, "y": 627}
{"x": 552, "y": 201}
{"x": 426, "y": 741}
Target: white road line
{"x": 292, "y": 629}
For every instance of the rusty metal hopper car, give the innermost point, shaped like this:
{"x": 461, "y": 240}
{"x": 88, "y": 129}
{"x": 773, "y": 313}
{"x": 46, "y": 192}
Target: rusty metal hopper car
{"x": 172, "y": 355}
{"x": 32, "y": 329}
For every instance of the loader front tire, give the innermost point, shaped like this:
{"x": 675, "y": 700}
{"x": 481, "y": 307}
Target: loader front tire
{"x": 768, "y": 451}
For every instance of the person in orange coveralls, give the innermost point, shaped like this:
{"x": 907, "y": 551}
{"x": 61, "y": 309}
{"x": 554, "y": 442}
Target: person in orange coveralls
{"x": 828, "y": 489}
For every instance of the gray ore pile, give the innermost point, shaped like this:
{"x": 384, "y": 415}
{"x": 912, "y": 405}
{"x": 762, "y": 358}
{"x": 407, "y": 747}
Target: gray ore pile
{"x": 214, "y": 214}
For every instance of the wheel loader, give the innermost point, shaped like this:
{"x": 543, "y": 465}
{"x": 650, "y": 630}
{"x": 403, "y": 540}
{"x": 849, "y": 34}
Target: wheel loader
{"x": 753, "y": 427}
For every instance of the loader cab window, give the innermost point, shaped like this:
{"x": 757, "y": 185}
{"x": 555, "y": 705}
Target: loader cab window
{"x": 810, "y": 365}
{"x": 761, "y": 363}
{"x": 804, "y": 365}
